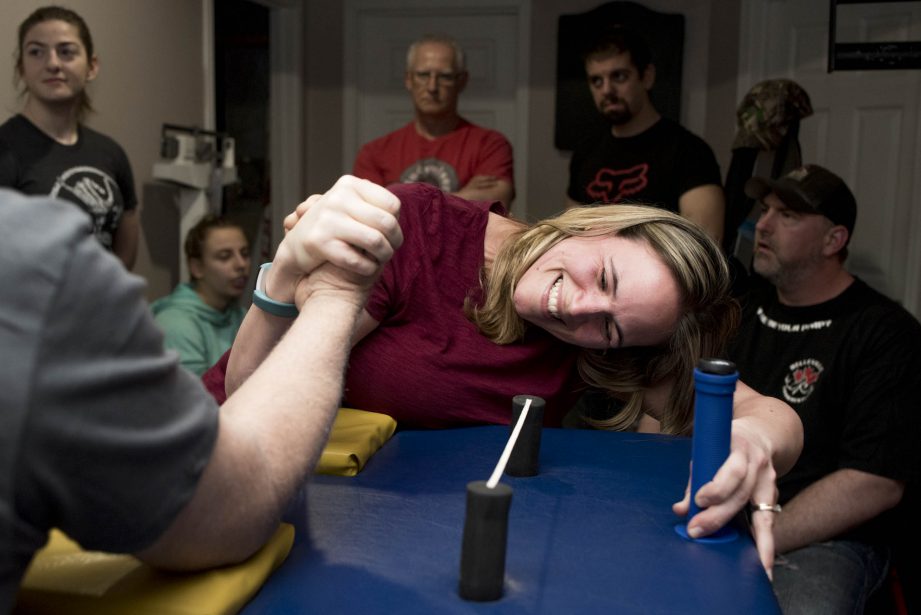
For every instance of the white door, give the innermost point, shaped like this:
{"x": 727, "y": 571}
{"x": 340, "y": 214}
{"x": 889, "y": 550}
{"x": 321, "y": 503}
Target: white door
{"x": 866, "y": 127}
{"x": 494, "y": 37}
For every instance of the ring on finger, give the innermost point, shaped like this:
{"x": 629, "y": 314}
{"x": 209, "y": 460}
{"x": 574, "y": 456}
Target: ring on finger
{"x": 764, "y": 506}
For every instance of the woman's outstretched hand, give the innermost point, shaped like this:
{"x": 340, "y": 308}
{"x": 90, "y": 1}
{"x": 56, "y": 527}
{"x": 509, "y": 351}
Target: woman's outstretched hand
{"x": 746, "y": 477}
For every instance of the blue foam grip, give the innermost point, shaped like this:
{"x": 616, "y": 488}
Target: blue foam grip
{"x": 714, "y": 389}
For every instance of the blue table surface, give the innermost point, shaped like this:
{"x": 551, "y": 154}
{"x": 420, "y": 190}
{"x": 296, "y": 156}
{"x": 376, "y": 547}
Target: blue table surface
{"x": 593, "y": 532}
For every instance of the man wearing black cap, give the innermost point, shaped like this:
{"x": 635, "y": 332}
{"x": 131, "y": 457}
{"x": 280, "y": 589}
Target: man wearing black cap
{"x": 847, "y": 359}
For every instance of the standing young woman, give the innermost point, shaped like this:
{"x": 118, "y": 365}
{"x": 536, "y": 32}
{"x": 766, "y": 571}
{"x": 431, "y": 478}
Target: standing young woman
{"x": 46, "y": 149}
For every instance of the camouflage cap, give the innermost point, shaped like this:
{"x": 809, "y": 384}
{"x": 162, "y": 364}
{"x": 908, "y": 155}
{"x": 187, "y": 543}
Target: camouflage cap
{"x": 768, "y": 110}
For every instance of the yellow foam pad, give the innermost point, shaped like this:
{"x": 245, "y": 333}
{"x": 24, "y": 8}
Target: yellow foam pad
{"x": 356, "y": 435}
{"x": 63, "y": 578}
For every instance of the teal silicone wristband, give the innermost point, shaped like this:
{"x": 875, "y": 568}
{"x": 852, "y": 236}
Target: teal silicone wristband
{"x": 266, "y": 303}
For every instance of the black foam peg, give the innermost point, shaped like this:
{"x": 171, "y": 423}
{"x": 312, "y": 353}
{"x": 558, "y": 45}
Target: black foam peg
{"x": 525, "y": 457}
{"x": 482, "y": 573}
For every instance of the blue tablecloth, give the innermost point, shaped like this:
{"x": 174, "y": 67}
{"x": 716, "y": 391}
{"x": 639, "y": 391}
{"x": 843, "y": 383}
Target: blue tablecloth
{"x": 592, "y": 533}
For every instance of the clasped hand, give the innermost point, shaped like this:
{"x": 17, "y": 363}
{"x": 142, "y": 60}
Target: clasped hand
{"x": 337, "y": 241}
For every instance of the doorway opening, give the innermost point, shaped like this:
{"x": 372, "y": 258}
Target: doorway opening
{"x": 241, "y": 75}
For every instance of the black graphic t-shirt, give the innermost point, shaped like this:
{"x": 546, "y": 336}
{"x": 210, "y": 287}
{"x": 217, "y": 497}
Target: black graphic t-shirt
{"x": 849, "y": 368}
{"x": 655, "y": 167}
{"x": 94, "y": 173}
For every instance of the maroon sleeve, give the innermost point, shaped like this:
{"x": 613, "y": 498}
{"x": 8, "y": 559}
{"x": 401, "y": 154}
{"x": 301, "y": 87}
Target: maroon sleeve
{"x": 415, "y": 214}
{"x": 214, "y": 377}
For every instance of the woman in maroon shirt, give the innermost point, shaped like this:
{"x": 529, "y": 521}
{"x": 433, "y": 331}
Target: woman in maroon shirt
{"x": 627, "y": 297}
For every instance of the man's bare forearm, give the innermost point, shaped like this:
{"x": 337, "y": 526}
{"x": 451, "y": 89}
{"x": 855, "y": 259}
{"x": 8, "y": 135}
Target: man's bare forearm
{"x": 833, "y": 505}
{"x": 272, "y": 431}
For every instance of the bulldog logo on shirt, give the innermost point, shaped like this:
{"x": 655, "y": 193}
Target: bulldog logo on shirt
{"x": 801, "y": 380}
{"x": 96, "y": 192}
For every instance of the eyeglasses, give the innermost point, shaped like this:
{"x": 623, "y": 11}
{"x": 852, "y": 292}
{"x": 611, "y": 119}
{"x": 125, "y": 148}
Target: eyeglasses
{"x": 423, "y": 77}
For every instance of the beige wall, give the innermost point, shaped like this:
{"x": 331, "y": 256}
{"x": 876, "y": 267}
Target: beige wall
{"x": 151, "y": 73}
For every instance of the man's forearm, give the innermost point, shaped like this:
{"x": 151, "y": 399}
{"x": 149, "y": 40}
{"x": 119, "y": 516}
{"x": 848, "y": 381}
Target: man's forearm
{"x": 125, "y": 246}
{"x": 272, "y": 431}
{"x": 705, "y": 206}
{"x": 303, "y": 376}
{"x": 833, "y": 505}
{"x": 488, "y": 189}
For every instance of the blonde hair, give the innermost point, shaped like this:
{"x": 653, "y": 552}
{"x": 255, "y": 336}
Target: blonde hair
{"x": 709, "y": 314}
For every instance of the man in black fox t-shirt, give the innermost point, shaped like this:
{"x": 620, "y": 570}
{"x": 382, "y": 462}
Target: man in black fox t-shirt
{"x": 644, "y": 157}
{"x": 846, "y": 358}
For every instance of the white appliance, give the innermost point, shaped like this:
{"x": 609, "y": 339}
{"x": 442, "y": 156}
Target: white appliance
{"x": 199, "y": 163}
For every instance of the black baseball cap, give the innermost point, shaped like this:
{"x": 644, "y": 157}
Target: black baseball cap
{"x": 810, "y": 189}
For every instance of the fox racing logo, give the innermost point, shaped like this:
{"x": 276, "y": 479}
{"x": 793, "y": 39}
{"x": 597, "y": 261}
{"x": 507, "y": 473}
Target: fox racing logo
{"x": 800, "y": 382}
{"x": 610, "y": 186}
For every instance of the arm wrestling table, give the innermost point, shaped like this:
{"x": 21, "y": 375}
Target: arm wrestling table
{"x": 592, "y": 532}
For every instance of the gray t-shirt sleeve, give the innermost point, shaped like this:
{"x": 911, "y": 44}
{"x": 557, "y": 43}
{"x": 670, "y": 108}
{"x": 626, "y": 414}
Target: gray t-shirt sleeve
{"x": 117, "y": 434}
